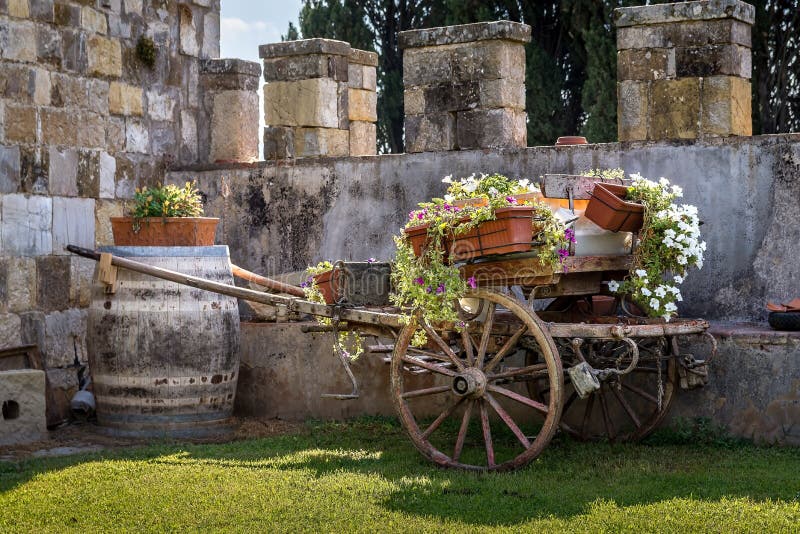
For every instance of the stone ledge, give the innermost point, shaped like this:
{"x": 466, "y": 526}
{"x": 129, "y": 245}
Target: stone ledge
{"x": 303, "y": 47}
{"x": 684, "y": 11}
{"x": 752, "y": 333}
{"x": 230, "y": 66}
{"x": 363, "y": 57}
{"x": 466, "y": 33}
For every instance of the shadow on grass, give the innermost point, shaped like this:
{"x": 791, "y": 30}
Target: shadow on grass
{"x": 565, "y": 481}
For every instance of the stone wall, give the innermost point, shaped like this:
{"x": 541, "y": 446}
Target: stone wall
{"x": 84, "y": 120}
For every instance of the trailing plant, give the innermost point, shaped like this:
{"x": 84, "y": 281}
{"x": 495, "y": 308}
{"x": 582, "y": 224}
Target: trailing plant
{"x": 431, "y": 283}
{"x": 669, "y": 244}
{"x": 146, "y": 51}
{"x": 167, "y": 201}
{"x": 348, "y": 343}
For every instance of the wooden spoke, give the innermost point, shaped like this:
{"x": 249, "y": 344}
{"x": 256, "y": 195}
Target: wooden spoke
{"x": 572, "y": 398}
{"x": 508, "y": 421}
{"x": 462, "y": 431}
{"x": 487, "y": 435}
{"x": 606, "y": 418}
{"x": 626, "y": 406}
{"x": 586, "y": 416}
{"x": 466, "y": 340}
{"x": 538, "y": 406}
{"x": 530, "y": 369}
{"x": 429, "y": 354}
{"x": 424, "y": 392}
{"x": 442, "y": 416}
{"x": 645, "y": 395}
{"x": 487, "y": 332}
{"x": 444, "y": 346}
{"x": 507, "y": 346}
{"x": 429, "y": 366}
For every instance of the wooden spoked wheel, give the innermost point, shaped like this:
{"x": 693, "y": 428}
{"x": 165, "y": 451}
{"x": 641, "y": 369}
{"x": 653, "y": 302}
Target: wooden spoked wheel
{"x": 460, "y": 398}
{"x": 626, "y": 407}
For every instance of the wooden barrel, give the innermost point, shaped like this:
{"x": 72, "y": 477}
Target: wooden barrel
{"x": 164, "y": 357}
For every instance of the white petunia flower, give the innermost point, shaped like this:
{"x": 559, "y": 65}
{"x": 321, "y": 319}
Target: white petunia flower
{"x": 669, "y": 232}
{"x": 646, "y": 292}
{"x": 663, "y": 182}
{"x": 678, "y": 279}
{"x": 613, "y": 286}
{"x": 681, "y": 260}
{"x": 677, "y": 191}
{"x": 448, "y": 198}
{"x": 641, "y": 273}
{"x": 448, "y": 179}
{"x": 655, "y": 303}
{"x": 670, "y": 307}
{"x": 666, "y": 317}
{"x": 661, "y": 291}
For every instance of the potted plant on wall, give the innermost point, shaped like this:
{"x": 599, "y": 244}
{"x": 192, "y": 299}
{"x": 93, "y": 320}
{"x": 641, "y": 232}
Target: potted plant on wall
{"x": 165, "y": 216}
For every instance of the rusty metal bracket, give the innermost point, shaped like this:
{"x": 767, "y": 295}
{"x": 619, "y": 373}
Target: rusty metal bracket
{"x": 335, "y": 320}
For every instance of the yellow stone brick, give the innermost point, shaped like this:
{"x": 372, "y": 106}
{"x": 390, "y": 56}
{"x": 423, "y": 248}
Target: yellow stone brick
{"x": 124, "y": 99}
{"x": 362, "y": 105}
{"x": 105, "y": 56}
{"x": 18, "y": 8}
{"x": 93, "y": 20}
{"x": 20, "y": 124}
{"x": 727, "y": 108}
{"x": 313, "y": 142}
{"x": 675, "y": 109}
{"x": 312, "y": 102}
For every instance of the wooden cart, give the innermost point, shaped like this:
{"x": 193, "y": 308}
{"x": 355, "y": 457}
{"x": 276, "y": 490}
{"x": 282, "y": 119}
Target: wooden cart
{"x": 499, "y": 379}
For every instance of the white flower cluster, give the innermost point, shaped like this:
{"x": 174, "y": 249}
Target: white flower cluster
{"x": 640, "y": 181}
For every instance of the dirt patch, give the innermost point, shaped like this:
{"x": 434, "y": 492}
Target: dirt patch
{"x": 77, "y": 438}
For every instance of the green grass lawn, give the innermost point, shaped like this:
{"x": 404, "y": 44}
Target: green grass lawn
{"x": 365, "y": 476}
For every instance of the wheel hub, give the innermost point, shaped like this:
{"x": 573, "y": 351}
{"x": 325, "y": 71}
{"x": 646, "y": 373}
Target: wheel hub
{"x": 470, "y": 383}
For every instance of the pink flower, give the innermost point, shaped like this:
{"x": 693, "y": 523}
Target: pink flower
{"x": 420, "y": 281}
{"x": 471, "y": 282}
{"x": 511, "y": 200}
{"x": 440, "y": 289}
{"x": 569, "y": 235}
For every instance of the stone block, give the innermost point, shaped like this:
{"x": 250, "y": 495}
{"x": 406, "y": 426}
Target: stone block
{"x": 119, "y": 26}
{"x": 675, "y": 109}
{"x": 294, "y": 68}
{"x": 714, "y": 60}
{"x": 115, "y": 134}
{"x": 92, "y": 130}
{"x": 727, "y": 106}
{"x": 59, "y": 127}
{"x": 98, "y": 96}
{"x": 684, "y": 11}
{"x": 160, "y": 106}
{"x": 18, "y": 9}
{"x": 504, "y": 30}
{"x": 414, "y": 101}
{"x": 355, "y": 76}
{"x": 68, "y": 90}
{"x": 425, "y": 66}
{"x": 646, "y": 64}
{"x": 452, "y": 96}
{"x": 81, "y": 274}
{"x": 41, "y": 87}
{"x": 133, "y": 7}
{"x": 229, "y": 74}
{"x": 9, "y": 169}
{"x": 362, "y": 105}
{"x": 65, "y": 338}
{"x": 73, "y": 223}
{"x": 502, "y": 93}
{"x": 26, "y": 225}
{"x": 20, "y": 124}
{"x": 494, "y": 128}
{"x": 52, "y": 283}
{"x": 33, "y": 170}
{"x": 89, "y": 173}
{"x": 302, "y": 103}
{"x": 67, "y": 15}
{"x": 278, "y": 142}
{"x": 430, "y": 133}
{"x": 10, "y": 330}
{"x": 370, "y": 80}
{"x": 75, "y": 55}
{"x": 18, "y": 40}
{"x": 363, "y": 138}
{"x": 695, "y": 33}
{"x": 124, "y": 99}
{"x": 20, "y": 284}
{"x": 104, "y": 56}
{"x": 137, "y": 136}
{"x": 304, "y": 47}
{"x": 108, "y": 170}
{"x": 32, "y": 328}
{"x": 104, "y": 210}
{"x": 189, "y": 134}
{"x": 211, "y": 38}
{"x": 63, "y": 177}
{"x": 188, "y": 32}
{"x": 315, "y": 142}
{"x": 343, "y": 105}
{"x": 23, "y": 396}
{"x": 93, "y": 21}
{"x": 489, "y": 60}
{"x": 62, "y": 384}
{"x": 163, "y": 140}
{"x": 16, "y": 83}
{"x": 632, "y": 108}
{"x": 42, "y": 10}
{"x": 48, "y": 45}
{"x": 234, "y": 126}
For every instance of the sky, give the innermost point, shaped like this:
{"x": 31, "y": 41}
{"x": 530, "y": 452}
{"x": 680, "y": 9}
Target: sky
{"x": 245, "y": 24}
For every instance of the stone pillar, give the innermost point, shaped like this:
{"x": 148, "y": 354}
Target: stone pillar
{"x": 684, "y": 70}
{"x": 230, "y": 105}
{"x": 465, "y": 86}
{"x": 362, "y": 101}
{"x": 305, "y": 98}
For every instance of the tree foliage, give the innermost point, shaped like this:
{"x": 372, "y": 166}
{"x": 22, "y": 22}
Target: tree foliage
{"x": 570, "y": 77}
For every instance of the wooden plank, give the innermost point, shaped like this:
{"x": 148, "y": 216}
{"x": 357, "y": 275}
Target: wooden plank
{"x": 531, "y": 272}
{"x": 559, "y": 186}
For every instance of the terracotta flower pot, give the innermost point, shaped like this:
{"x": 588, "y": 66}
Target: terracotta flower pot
{"x": 528, "y": 198}
{"x": 608, "y": 209}
{"x": 164, "y": 231}
{"x": 509, "y": 232}
{"x": 568, "y": 140}
{"x": 326, "y": 283}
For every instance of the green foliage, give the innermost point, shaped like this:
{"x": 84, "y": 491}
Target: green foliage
{"x": 168, "y": 201}
{"x": 695, "y": 431}
{"x": 292, "y": 33}
{"x": 365, "y": 476}
{"x": 146, "y": 51}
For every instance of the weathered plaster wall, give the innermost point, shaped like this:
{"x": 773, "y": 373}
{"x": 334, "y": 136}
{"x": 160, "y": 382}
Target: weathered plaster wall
{"x": 282, "y": 217}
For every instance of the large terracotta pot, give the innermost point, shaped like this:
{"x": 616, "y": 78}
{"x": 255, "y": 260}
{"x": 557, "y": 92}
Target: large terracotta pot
{"x": 608, "y": 209}
{"x": 327, "y": 285}
{"x": 510, "y": 232}
{"x": 164, "y": 231}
